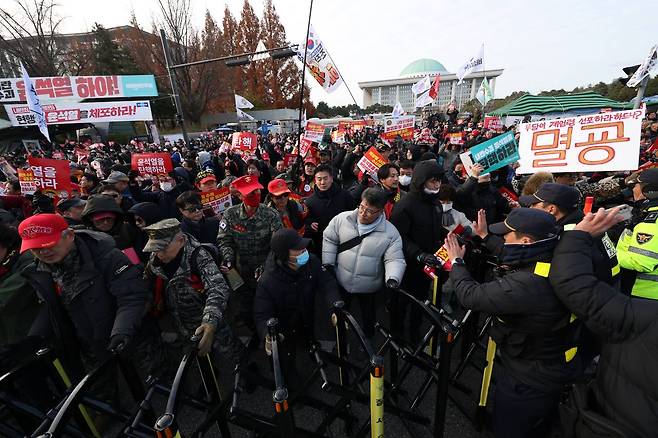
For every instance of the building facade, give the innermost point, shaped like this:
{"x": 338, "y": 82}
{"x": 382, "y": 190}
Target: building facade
{"x": 390, "y": 91}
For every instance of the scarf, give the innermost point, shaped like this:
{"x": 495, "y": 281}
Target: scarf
{"x": 367, "y": 228}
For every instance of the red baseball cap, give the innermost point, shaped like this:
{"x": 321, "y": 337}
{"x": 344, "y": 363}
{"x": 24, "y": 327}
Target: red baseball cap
{"x": 310, "y": 160}
{"x": 246, "y": 184}
{"x": 278, "y": 187}
{"x": 41, "y": 231}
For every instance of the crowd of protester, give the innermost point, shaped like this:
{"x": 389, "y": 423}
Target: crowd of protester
{"x": 129, "y": 257}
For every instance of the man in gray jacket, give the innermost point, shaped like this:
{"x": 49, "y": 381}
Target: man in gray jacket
{"x": 366, "y": 252}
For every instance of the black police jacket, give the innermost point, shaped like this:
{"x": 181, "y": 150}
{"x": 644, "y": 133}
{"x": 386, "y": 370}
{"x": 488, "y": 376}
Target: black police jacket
{"x": 531, "y": 326}
{"x": 289, "y": 296}
{"x": 626, "y": 387}
{"x": 112, "y": 300}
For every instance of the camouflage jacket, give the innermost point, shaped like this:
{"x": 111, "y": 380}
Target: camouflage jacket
{"x": 187, "y": 302}
{"x": 244, "y": 240}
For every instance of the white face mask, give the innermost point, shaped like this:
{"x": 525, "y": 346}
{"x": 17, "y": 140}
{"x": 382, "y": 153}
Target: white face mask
{"x": 166, "y": 186}
{"x": 447, "y": 206}
{"x": 430, "y": 192}
{"x": 405, "y": 180}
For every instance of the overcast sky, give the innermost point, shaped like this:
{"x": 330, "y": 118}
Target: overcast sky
{"x": 540, "y": 45}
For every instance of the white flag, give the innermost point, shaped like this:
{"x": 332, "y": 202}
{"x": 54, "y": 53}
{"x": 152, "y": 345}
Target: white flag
{"x": 34, "y": 104}
{"x": 243, "y": 115}
{"x": 421, "y": 86}
{"x": 647, "y": 65}
{"x": 397, "y": 110}
{"x": 260, "y": 48}
{"x": 319, "y": 62}
{"x": 241, "y": 102}
{"x": 476, "y": 63}
{"x": 424, "y": 99}
{"x": 484, "y": 93}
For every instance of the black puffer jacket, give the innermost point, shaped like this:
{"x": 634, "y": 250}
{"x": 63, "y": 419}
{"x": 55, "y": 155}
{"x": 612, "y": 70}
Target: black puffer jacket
{"x": 112, "y": 298}
{"x": 324, "y": 206}
{"x": 417, "y": 216}
{"x": 531, "y": 328}
{"x": 626, "y": 386}
{"x": 289, "y": 296}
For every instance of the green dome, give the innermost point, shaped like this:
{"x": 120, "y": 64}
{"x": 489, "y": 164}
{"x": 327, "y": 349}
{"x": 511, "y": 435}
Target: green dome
{"x": 422, "y": 66}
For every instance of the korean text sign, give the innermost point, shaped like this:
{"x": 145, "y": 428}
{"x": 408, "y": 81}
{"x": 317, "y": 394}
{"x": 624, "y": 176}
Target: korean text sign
{"x": 492, "y": 154}
{"x": 151, "y": 164}
{"x": 73, "y": 112}
{"x": 51, "y": 176}
{"x": 371, "y": 161}
{"x": 218, "y": 199}
{"x": 314, "y": 132}
{"x": 27, "y": 181}
{"x": 244, "y": 141}
{"x": 80, "y": 87}
{"x": 600, "y": 142}
{"x": 402, "y": 126}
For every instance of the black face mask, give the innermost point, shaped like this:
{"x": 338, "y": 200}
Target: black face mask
{"x": 514, "y": 254}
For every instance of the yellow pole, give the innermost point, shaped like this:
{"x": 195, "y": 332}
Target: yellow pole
{"x": 83, "y": 409}
{"x": 377, "y": 398}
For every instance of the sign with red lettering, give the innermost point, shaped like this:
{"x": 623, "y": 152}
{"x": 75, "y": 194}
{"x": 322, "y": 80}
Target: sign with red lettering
{"x": 352, "y": 125}
{"x": 595, "y": 143}
{"x": 371, "y": 161}
{"x": 402, "y": 126}
{"x": 304, "y": 146}
{"x": 456, "y": 138}
{"x": 217, "y": 199}
{"x": 244, "y": 141}
{"x": 27, "y": 182}
{"x": 51, "y": 176}
{"x": 72, "y": 112}
{"x": 314, "y": 132}
{"x": 151, "y": 163}
{"x": 80, "y": 87}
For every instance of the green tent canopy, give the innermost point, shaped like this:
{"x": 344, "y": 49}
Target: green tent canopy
{"x": 531, "y": 104}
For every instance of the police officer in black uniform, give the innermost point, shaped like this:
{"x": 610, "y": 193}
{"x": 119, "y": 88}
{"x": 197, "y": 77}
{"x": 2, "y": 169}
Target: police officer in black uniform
{"x": 531, "y": 328}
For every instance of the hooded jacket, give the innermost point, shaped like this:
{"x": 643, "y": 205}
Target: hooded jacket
{"x": 125, "y": 235}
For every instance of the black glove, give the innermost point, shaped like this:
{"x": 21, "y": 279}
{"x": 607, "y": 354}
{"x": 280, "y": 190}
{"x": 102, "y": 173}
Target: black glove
{"x": 392, "y": 283}
{"x": 330, "y": 270}
{"x": 118, "y": 343}
{"x": 429, "y": 260}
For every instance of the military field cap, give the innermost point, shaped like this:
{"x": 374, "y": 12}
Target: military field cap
{"x": 161, "y": 234}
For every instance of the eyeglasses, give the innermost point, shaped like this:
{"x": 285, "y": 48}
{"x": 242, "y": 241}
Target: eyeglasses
{"x": 193, "y": 208}
{"x": 367, "y": 210}
{"x": 285, "y": 195}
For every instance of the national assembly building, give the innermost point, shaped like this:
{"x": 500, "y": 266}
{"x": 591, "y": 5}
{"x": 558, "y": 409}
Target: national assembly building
{"x": 390, "y": 91}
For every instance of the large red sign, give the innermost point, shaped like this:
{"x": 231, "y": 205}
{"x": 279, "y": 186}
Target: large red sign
{"x": 244, "y": 141}
{"x": 151, "y": 163}
{"x": 51, "y": 176}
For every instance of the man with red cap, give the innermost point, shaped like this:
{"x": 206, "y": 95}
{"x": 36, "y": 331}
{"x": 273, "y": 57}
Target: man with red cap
{"x": 244, "y": 243}
{"x": 292, "y": 212}
{"x": 206, "y": 181}
{"x": 93, "y": 296}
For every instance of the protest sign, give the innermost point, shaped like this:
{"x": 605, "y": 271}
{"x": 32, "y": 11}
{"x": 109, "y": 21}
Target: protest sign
{"x": 319, "y": 62}
{"x": 289, "y": 159}
{"x": 455, "y": 138}
{"x": 492, "y": 154}
{"x": 493, "y": 122}
{"x": 244, "y": 141}
{"x": 402, "y": 126}
{"x": 352, "y": 125}
{"x": 27, "y": 181}
{"x": 594, "y": 143}
{"x": 304, "y": 146}
{"x": 314, "y": 131}
{"x": 338, "y": 136}
{"x": 217, "y": 199}
{"x": 51, "y": 176}
{"x": 32, "y": 147}
{"x": 151, "y": 163}
{"x": 371, "y": 161}
{"x": 75, "y": 88}
{"x": 73, "y": 112}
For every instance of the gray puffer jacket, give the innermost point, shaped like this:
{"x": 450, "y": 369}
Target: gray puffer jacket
{"x": 365, "y": 267}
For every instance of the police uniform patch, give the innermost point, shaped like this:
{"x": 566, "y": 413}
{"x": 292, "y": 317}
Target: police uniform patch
{"x": 643, "y": 238}
{"x": 222, "y": 225}
{"x": 651, "y": 217}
